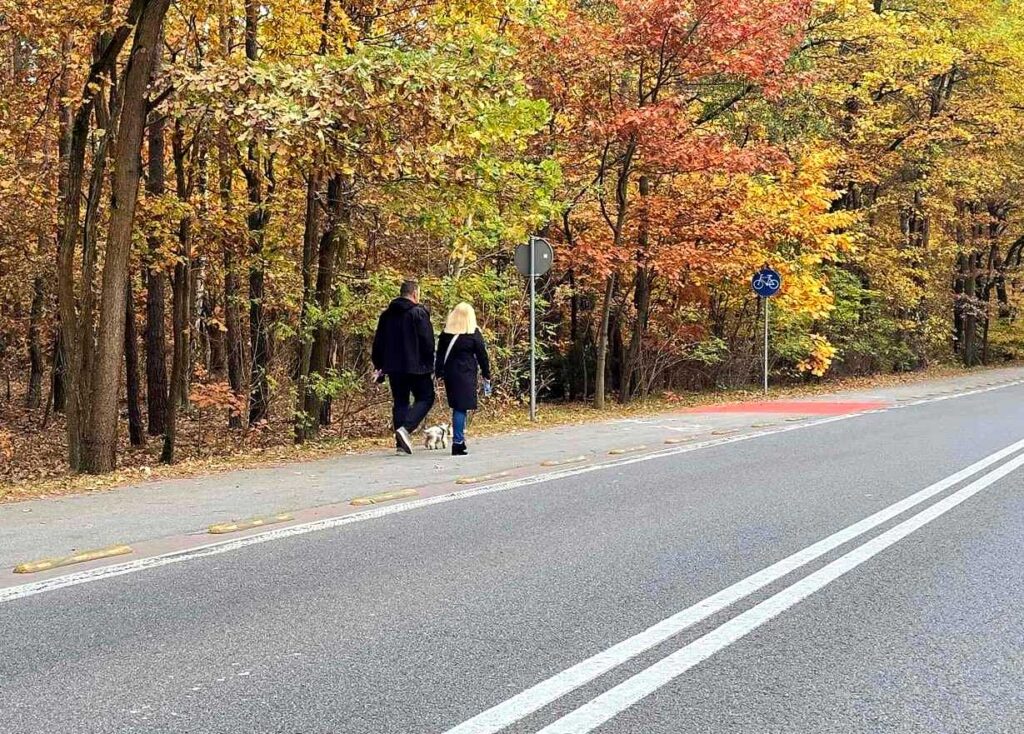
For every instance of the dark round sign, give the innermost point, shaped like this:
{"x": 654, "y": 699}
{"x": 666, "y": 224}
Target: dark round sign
{"x": 543, "y": 257}
{"x": 766, "y": 282}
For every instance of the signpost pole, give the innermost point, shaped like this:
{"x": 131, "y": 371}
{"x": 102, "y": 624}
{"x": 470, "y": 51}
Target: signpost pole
{"x": 766, "y": 283}
{"x": 533, "y": 331}
{"x": 533, "y": 259}
{"x": 765, "y": 344}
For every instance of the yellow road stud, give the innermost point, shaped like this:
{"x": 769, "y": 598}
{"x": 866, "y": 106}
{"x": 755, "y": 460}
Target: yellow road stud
{"x": 376, "y": 499}
{"x": 560, "y": 462}
{"x": 627, "y": 450}
{"x": 252, "y": 522}
{"x": 90, "y": 555}
{"x": 481, "y": 478}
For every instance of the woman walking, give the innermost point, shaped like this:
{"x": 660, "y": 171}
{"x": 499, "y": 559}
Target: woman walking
{"x": 460, "y": 353}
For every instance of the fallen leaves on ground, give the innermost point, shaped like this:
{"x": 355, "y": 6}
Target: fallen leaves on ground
{"x": 33, "y": 454}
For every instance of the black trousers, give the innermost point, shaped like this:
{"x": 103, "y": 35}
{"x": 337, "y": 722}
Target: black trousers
{"x": 421, "y": 388}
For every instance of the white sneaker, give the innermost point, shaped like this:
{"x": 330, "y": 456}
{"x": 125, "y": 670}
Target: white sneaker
{"x": 404, "y": 440}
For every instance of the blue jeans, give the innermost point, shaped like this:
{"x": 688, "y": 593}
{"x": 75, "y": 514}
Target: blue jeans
{"x": 459, "y": 426}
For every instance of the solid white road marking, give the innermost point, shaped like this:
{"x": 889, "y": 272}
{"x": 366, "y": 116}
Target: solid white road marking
{"x": 591, "y": 715}
{"x": 11, "y": 593}
{"x": 532, "y": 699}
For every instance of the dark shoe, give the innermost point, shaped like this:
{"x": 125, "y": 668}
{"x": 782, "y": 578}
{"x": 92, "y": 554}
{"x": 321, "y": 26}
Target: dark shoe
{"x": 459, "y": 449}
{"x": 404, "y": 440}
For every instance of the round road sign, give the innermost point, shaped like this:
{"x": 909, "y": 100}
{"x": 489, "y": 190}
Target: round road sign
{"x": 766, "y": 282}
{"x": 543, "y": 257}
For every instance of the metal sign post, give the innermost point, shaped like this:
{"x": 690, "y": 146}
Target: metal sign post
{"x": 766, "y": 302}
{"x": 533, "y": 329}
{"x": 766, "y": 283}
{"x": 533, "y": 260}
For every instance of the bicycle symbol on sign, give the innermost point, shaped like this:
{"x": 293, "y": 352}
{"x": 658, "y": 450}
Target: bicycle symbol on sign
{"x": 766, "y": 282}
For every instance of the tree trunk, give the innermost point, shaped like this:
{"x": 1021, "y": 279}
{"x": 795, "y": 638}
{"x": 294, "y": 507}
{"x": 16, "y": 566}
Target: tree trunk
{"x": 183, "y": 189}
{"x": 136, "y": 430}
{"x": 58, "y": 380}
{"x": 99, "y": 443}
{"x": 58, "y": 386}
{"x": 214, "y": 336}
{"x": 310, "y": 235}
{"x": 970, "y": 319}
{"x": 200, "y": 335}
{"x": 260, "y": 181}
{"x": 74, "y": 132}
{"x": 330, "y": 244}
{"x": 259, "y": 336}
{"x": 34, "y": 397}
{"x": 156, "y": 285}
{"x": 307, "y": 421}
{"x": 179, "y": 361}
{"x": 181, "y": 305}
{"x": 233, "y": 343}
{"x": 618, "y": 226}
{"x": 602, "y": 343}
{"x": 200, "y": 292}
{"x": 232, "y": 317}
{"x": 641, "y": 299}
{"x": 642, "y": 302}
{"x": 90, "y": 256}
{"x": 156, "y": 356}
{"x": 959, "y": 282}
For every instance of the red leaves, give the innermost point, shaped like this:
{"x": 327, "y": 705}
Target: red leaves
{"x": 217, "y": 395}
{"x": 646, "y": 92}
{"x": 670, "y": 142}
{"x": 744, "y": 38}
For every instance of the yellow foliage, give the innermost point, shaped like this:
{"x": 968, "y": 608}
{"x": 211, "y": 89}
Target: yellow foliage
{"x": 819, "y": 358}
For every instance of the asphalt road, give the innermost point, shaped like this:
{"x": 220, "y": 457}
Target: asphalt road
{"x": 531, "y": 610}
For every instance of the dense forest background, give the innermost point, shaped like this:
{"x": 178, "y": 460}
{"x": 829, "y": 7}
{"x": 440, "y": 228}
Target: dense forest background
{"x": 204, "y": 204}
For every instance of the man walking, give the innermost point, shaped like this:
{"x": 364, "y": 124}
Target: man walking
{"x": 403, "y": 349}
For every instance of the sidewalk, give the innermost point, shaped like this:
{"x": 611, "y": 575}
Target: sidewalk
{"x": 59, "y": 526}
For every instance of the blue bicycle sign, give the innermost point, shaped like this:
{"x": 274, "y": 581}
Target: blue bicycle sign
{"x": 766, "y": 282}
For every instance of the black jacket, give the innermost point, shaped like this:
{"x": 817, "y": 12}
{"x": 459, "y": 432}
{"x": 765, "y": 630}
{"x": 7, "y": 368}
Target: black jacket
{"x": 459, "y": 372}
{"x": 404, "y": 342}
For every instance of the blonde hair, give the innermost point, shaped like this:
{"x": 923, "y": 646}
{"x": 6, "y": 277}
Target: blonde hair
{"x": 462, "y": 320}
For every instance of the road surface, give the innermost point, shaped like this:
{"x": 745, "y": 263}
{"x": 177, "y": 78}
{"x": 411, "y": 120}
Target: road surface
{"x": 863, "y": 573}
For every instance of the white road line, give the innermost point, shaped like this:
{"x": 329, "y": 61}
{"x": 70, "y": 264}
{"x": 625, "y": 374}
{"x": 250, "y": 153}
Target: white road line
{"x": 612, "y": 702}
{"x": 11, "y": 593}
{"x": 687, "y": 428}
{"x": 536, "y": 697}
{"x": 20, "y": 591}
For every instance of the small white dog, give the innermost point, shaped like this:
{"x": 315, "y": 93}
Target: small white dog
{"x": 436, "y": 437}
